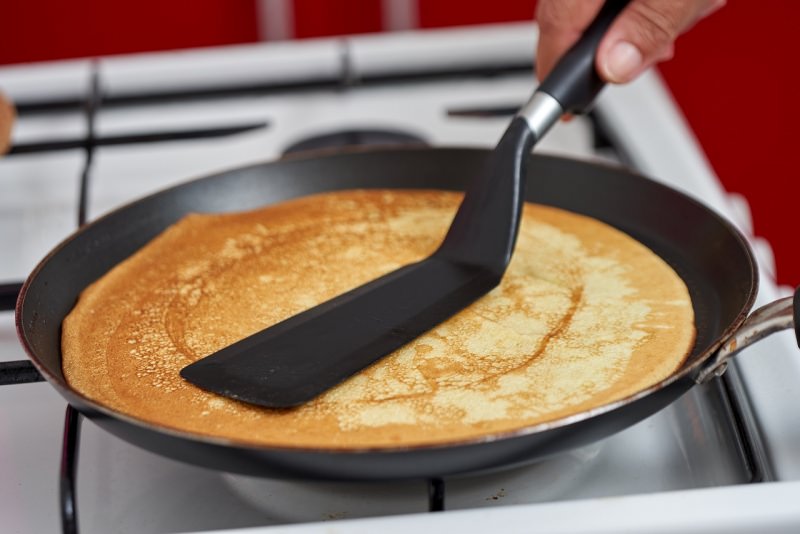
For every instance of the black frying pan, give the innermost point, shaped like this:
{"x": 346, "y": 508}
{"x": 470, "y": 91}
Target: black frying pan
{"x": 707, "y": 252}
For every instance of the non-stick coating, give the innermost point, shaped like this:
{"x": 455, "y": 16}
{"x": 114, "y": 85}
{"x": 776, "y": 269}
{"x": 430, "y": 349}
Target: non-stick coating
{"x": 711, "y": 257}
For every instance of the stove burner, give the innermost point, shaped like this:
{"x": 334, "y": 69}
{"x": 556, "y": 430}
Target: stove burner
{"x": 354, "y": 137}
{"x": 275, "y": 498}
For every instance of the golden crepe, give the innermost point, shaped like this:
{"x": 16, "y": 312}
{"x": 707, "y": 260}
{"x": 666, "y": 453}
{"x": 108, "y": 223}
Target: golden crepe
{"x": 585, "y": 315}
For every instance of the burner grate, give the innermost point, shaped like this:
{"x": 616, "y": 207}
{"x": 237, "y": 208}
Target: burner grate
{"x": 69, "y": 469}
{"x": 436, "y": 488}
{"x": 23, "y": 371}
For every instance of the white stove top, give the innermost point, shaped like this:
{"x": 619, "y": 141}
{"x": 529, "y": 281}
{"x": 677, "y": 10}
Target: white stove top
{"x": 653, "y": 475}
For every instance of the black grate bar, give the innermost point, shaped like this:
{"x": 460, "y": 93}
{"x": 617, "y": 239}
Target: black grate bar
{"x": 483, "y": 112}
{"x": 69, "y": 471}
{"x": 18, "y": 372}
{"x": 8, "y": 295}
{"x": 134, "y": 138}
{"x": 92, "y": 105}
{"x": 435, "y": 495}
{"x": 264, "y": 89}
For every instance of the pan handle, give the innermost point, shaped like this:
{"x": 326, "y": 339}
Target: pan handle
{"x": 781, "y": 314}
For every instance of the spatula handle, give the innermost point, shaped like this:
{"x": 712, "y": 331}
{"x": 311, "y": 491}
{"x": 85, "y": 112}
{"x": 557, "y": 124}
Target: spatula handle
{"x": 574, "y": 81}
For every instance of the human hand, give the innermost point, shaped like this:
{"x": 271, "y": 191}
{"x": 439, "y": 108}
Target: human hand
{"x": 642, "y": 35}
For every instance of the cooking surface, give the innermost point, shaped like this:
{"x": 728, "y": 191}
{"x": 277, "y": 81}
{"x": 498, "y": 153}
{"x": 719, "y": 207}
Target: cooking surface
{"x": 694, "y": 443}
{"x": 120, "y": 483}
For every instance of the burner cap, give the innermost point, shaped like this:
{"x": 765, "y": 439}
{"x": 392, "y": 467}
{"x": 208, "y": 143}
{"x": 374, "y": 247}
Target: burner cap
{"x": 355, "y": 137}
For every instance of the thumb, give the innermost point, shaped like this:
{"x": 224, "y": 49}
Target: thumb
{"x": 644, "y": 34}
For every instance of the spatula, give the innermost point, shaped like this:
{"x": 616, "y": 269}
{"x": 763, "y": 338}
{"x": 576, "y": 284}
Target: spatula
{"x": 299, "y": 358}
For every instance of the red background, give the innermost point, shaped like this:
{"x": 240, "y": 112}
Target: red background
{"x": 735, "y": 76}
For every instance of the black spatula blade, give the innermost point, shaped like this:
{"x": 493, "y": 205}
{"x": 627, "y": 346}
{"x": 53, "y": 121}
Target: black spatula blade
{"x": 295, "y": 360}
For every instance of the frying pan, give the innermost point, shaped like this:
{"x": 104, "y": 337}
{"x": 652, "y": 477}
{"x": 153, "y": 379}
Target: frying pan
{"x": 709, "y": 254}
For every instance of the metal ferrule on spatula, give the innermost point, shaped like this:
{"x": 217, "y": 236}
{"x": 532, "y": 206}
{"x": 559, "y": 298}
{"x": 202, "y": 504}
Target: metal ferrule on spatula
{"x": 541, "y": 112}
{"x": 574, "y": 83}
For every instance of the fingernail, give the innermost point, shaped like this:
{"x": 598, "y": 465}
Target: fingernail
{"x": 622, "y": 62}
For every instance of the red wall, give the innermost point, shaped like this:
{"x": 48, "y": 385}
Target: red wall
{"x": 735, "y": 75}
{"x": 437, "y": 13}
{"x": 315, "y": 18}
{"x": 35, "y": 30}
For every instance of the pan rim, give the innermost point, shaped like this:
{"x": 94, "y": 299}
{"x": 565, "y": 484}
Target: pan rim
{"x": 685, "y": 371}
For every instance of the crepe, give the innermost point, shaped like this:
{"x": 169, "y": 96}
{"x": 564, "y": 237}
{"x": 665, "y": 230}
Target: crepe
{"x": 584, "y": 316}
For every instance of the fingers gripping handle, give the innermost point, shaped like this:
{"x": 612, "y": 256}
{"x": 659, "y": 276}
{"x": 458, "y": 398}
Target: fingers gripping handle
{"x": 574, "y": 81}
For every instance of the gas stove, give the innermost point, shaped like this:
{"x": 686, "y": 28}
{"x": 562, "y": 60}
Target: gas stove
{"x": 721, "y": 457}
